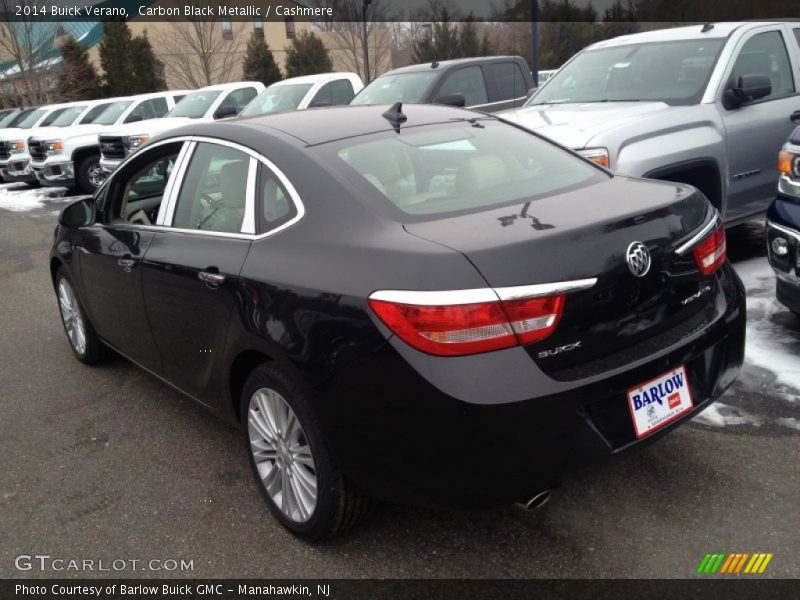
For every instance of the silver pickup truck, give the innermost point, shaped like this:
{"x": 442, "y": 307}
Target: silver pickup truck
{"x": 708, "y": 105}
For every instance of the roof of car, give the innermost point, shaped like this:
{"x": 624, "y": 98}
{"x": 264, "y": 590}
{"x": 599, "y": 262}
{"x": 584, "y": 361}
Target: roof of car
{"x": 310, "y": 78}
{"x": 691, "y": 32}
{"x": 443, "y": 65}
{"x": 225, "y": 86}
{"x": 321, "y": 125}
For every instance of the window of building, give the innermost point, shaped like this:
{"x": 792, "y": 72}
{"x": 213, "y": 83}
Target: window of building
{"x": 289, "y": 28}
{"x": 227, "y": 30}
{"x": 258, "y": 27}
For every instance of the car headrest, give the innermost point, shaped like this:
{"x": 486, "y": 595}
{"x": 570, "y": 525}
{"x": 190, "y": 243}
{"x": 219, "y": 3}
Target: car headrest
{"x": 233, "y": 182}
{"x": 386, "y": 167}
{"x": 481, "y": 173}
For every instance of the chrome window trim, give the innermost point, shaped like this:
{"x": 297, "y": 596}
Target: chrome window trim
{"x": 479, "y": 295}
{"x": 168, "y": 202}
{"x": 697, "y": 237}
{"x": 194, "y": 139}
{"x": 249, "y": 221}
{"x": 497, "y": 102}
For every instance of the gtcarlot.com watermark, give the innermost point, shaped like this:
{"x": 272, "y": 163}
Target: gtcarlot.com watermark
{"x": 46, "y": 563}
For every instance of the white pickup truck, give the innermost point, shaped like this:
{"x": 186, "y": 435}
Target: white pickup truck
{"x": 70, "y": 156}
{"x": 13, "y": 146}
{"x": 307, "y": 91}
{"x": 209, "y": 103}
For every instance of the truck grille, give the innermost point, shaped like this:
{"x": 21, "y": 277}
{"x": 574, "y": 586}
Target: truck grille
{"x": 111, "y": 146}
{"x": 4, "y": 153}
{"x": 36, "y": 149}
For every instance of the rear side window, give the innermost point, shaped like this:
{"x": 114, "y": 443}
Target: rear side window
{"x": 506, "y": 81}
{"x": 214, "y": 190}
{"x": 276, "y": 206}
{"x": 468, "y": 82}
{"x": 459, "y": 167}
{"x": 765, "y": 54}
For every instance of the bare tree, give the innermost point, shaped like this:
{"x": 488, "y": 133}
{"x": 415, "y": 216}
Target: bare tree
{"x": 346, "y": 39}
{"x": 26, "y": 42}
{"x": 197, "y": 52}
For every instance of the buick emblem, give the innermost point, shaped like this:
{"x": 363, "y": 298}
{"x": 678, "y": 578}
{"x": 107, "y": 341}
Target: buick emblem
{"x": 638, "y": 257}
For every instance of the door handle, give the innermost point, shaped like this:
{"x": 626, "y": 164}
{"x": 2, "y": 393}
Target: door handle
{"x": 127, "y": 264}
{"x": 795, "y": 116}
{"x": 211, "y": 279}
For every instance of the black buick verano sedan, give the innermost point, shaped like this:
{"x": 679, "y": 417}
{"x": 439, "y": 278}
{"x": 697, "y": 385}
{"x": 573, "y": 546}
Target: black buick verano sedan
{"x": 420, "y": 304}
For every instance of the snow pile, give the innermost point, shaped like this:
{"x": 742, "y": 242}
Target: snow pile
{"x": 17, "y": 197}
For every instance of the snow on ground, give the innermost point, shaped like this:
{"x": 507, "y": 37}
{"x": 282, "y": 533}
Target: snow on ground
{"x": 18, "y": 197}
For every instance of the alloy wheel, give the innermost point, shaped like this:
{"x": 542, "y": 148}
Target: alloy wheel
{"x": 71, "y": 315}
{"x": 282, "y": 455}
{"x": 95, "y": 174}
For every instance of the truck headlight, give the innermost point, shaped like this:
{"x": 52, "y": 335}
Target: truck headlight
{"x": 16, "y": 146}
{"x": 789, "y": 170}
{"x": 132, "y": 142}
{"x": 598, "y": 155}
{"x": 53, "y": 146}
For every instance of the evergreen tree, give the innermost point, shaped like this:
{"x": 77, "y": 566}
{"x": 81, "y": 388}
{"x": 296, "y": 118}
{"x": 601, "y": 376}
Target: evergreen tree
{"x": 259, "y": 64}
{"x": 307, "y": 56}
{"x": 115, "y": 59}
{"x": 76, "y": 77}
{"x": 442, "y": 42}
{"x": 148, "y": 71}
{"x": 469, "y": 43}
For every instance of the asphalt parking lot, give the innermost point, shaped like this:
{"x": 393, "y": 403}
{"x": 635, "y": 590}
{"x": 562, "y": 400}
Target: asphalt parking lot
{"x": 108, "y": 463}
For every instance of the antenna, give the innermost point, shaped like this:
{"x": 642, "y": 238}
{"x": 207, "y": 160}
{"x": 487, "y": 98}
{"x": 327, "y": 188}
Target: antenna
{"x": 707, "y": 27}
{"x": 434, "y": 64}
{"x": 395, "y": 116}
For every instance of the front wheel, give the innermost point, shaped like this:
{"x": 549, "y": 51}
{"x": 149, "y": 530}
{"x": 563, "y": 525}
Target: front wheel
{"x": 89, "y": 174}
{"x": 291, "y": 460}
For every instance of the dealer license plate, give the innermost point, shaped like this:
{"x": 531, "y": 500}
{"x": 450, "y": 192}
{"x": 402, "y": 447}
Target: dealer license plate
{"x": 659, "y": 401}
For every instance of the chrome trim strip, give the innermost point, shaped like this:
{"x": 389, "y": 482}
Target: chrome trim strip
{"x": 167, "y": 208}
{"x": 496, "y": 102}
{"x": 249, "y": 221}
{"x": 785, "y": 230}
{"x": 436, "y": 298}
{"x": 697, "y": 237}
{"x": 544, "y": 289}
{"x": 788, "y": 186}
{"x": 476, "y": 296}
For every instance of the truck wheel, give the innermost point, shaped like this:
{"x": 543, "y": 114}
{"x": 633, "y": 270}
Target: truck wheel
{"x": 89, "y": 174}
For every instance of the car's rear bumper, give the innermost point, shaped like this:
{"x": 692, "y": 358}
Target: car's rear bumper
{"x": 399, "y": 437}
{"x": 56, "y": 174}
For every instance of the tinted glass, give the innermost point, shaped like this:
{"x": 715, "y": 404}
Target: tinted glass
{"x": 8, "y": 118}
{"x": 94, "y": 112}
{"x": 505, "y": 81}
{"x": 110, "y": 115}
{"x": 68, "y": 117}
{"x": 195, "y": 105}
{"x": 672, "y": 72}
{"x": 52, "y": 116}
{"x": 240, "y": 98}
{"x": 31, "y": 119}
{"x": 212, "y": 197}
{"x": 765, "y": 54}
{"x": 403, "y": 87}
{"x": 144, "y": 191}
{"x": 455, "y": 167}
{"x": 323, "y": 97}
{"x": 276, "y": 207}
{"x": 277, "y": 98}
{"x": 341, "y": 92}
{"x": 148, "y": 109}
{"x": 467, "y": 82}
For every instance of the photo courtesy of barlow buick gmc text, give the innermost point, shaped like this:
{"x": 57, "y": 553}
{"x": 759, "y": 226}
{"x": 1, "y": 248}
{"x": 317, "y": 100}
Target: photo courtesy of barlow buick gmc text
{"x": 367, "y": 298}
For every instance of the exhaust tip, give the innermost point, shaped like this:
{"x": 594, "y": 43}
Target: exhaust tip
{"x": 536, "y": 502}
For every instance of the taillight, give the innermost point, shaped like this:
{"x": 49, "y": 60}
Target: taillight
{"x": 461, "y": 329}
{"x": 710, "y": 253}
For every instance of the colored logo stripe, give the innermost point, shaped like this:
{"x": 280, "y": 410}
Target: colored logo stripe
{"x": 734, "y": 563}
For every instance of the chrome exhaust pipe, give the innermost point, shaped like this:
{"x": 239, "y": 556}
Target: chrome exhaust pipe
{"x": 536, "y": 502}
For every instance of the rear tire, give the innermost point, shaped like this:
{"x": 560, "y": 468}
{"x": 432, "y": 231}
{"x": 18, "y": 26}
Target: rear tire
{"x": 89, "y": 174}
{"x": 82, "y": 338}
{"x": 293, "y": 456}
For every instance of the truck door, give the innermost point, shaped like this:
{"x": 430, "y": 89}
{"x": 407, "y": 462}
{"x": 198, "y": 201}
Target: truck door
{"x": 756, "y": 132}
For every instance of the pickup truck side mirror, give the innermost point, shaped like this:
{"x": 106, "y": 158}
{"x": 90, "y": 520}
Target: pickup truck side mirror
{"x": 456, "y": 100}
{"x": 80, "y": 213}
{"x": 225, "y": 111}
{"x": 749, "y": 88}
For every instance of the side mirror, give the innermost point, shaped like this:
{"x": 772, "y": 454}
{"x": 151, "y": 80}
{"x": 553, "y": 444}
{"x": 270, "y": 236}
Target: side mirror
{"x": 456, "y": 100}
{"x": 79, "y": 213}
{"x": 749, "y": 89}
{"x": 225, "y": 111}
{"x": 530, "y": 93}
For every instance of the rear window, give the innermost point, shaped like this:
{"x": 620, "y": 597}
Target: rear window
{"x": 464, "y": 166}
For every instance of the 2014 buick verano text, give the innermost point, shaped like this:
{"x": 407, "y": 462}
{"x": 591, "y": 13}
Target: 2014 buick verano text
{"x": 420, "y": 304}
